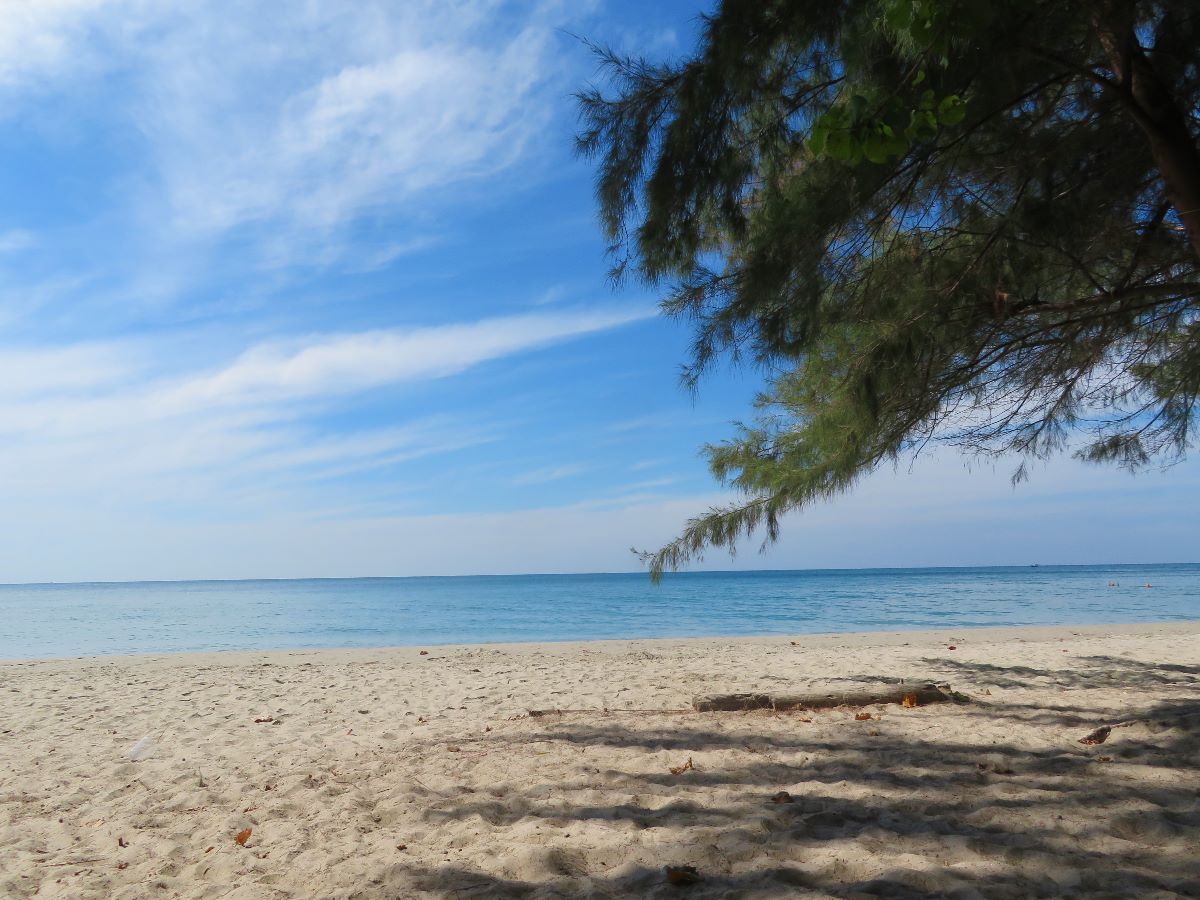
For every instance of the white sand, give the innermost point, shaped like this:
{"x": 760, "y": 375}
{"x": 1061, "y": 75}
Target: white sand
{"x": 390, "y": 774}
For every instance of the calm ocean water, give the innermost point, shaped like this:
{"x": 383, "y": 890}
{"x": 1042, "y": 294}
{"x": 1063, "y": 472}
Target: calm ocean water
{"x": 83, "y": 619}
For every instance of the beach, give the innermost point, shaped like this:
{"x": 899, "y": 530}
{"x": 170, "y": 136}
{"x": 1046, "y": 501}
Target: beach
{"x": 423, "y": 772}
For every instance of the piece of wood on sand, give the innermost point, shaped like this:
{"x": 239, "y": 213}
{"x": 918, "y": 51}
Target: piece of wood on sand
{"x": 918, "y": 693}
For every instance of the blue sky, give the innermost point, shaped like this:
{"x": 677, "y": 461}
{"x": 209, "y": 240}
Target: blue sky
{"x": 322, "y": 294}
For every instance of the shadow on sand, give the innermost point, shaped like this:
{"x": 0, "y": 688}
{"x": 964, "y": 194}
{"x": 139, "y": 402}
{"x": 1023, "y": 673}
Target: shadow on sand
{"x": 871, "y": 810}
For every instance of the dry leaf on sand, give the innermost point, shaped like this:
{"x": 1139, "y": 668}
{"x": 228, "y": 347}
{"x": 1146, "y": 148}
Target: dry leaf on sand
{"x": 863, "y": 716}
{"x": 908, "y": 701}
{"x": 679, "y": 770}
{"x": 1099, "y": 736}
{"x": 243, "y": 836}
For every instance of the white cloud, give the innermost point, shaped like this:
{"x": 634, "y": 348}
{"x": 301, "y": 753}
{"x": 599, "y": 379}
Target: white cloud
{"x": 304, "y": 120}
{"x": 78, "y": 419}
{"x": 354, "y": 362}
{"x": 42, "y": 37}
{"x": 30, "y": 374}
{"x": 366, "y": 136}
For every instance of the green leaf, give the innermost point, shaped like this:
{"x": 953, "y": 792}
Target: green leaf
{"x": 896, "y": 144}
{"x": 920, "y": 77}
{"x": 818, "y": 138}
{"x": 899, "y": 15}
{"x": 921, "y": 124}
{"x": 951, "y": 110}
{"x": 875, "y": 148}
{"x": 839, "y": 145}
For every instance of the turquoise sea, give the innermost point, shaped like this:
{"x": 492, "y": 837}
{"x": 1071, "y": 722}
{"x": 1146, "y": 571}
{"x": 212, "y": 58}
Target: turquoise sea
{"x": 54, "y": 620}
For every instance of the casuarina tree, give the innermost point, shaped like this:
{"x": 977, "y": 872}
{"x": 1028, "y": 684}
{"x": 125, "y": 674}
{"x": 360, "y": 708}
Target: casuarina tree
{"x": 968, "y": 222}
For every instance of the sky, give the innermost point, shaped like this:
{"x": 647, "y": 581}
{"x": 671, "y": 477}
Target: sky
{"x": 317, "y": 289}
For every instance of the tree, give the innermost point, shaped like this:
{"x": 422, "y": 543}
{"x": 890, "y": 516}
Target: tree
{"x": 962, "y": 221}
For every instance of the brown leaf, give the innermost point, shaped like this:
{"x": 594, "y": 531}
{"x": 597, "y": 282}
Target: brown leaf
{"x": 681, "y": 875}
{"x": 122, "y": 865}
{"x": 402, "y": 846}
{"x": 952, "y": 647}
{"x": 1099, "y": 736}
{"x": 863, "y": 716}
{"x": 121, "y": 842}
{"x": 781, "y": 797}
{"x": 908, "y": 701}
{"x": 266, "y": 719}
{"x": 424, "y": 653}
{"x": 679, "y": 770}
{"x": 210, "y": 849}
{"x": 243, "y": 836}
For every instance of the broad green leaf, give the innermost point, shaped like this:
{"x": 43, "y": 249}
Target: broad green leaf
{"x": 875, "y": 148}
{"x": 839, "y": 145}
{"x": 951, "y": 110}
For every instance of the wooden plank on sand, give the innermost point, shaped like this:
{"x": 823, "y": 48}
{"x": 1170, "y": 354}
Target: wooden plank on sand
{"x": 918, "y": 694}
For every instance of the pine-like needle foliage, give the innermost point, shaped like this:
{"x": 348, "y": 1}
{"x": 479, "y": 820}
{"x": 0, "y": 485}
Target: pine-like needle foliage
{"x": 966, "y": 221}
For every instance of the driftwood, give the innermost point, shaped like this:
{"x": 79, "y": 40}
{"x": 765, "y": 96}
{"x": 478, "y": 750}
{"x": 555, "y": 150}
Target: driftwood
{"x": 538, "y": 713}
{"x": 918, "y": 694}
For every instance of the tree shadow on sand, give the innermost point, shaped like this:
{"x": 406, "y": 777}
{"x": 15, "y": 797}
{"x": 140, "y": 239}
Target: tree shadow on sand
{"x": 872, "y": 812}
{"x": 1087, "y": 672}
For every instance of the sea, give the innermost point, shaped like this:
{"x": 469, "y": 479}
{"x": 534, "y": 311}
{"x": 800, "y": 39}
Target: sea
{"x": 65, "y": 620}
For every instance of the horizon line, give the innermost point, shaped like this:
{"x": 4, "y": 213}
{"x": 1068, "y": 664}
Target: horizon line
{"x": 827, "y": 569}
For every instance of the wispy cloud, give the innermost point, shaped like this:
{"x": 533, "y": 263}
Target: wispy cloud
{"x": 78, "y": 417}
{"x": 42, "y": 38}
{"x": 354, "y": 362}
{"x": 15, "y": 240}
{"x": 302, "y": 122}
{"x": 665, "y": 419}
{"x": 550, "y": 473}
{"x": 643, "y": 464}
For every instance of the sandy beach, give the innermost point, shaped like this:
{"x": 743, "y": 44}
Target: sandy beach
{"x": 402, "y": 773}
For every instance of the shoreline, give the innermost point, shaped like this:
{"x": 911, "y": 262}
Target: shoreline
{"x": 879, "y": 638}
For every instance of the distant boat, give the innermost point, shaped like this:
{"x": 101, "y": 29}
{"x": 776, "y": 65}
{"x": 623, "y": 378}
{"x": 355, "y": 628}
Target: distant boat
{"x": 1034, "y": 565}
